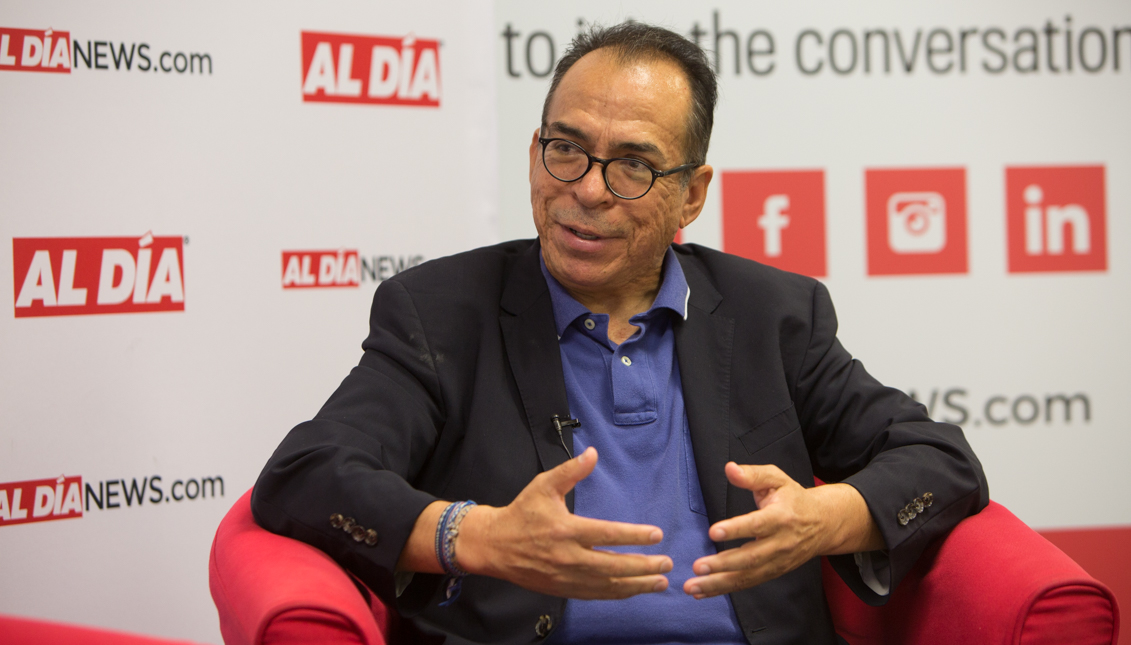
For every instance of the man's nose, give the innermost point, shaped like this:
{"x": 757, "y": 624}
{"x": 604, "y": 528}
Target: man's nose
{"x": 591, "y": 189}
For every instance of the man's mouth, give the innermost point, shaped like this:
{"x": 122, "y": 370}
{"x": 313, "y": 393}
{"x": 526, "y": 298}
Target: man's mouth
{"x": 583, "y": 236}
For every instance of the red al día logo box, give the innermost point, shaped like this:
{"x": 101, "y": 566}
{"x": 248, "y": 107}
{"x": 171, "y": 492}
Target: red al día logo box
{"x": 40, "y": 500}
{"x": 32, "y": 50}
{"x": 384, "y": 70}
{"x": 313, "y": 269}
{"x": 69, "y": 276}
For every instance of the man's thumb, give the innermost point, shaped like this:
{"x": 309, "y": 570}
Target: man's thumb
{"x": 756, "y": 478}
{"x": 564, "y": 477}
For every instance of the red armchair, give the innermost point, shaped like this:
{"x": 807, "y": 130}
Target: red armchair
{"x": 993, "y": 580}
{"x": 15, "y": 630}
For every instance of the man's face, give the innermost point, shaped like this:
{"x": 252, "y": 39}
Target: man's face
{"x": 594, "y": 242}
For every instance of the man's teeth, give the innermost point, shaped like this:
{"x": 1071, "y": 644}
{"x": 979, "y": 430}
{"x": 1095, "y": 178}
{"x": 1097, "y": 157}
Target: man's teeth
{"x": 583, "y": 235}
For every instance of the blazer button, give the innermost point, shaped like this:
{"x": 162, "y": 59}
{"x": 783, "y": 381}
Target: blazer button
{"x": 358, "y": 533}
{"x": 371, "y": 538}
{"x": 348, "y": 524}
{"x": 544, "y": 625}
{"x": 918, "y": 504}
{"x": 336, "y": 520}
{"x": 904, "y": 517}
{"x": 928, "y": 499}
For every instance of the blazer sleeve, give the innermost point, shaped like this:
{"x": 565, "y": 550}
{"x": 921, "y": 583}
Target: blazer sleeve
{"x": 880, "y": 441}
{"x": 355, "y": 459}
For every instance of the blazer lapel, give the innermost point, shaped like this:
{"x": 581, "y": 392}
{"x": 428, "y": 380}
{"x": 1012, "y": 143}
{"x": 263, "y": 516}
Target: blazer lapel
{"x": 527, "y": 324}
{"x": 704, "y": 344}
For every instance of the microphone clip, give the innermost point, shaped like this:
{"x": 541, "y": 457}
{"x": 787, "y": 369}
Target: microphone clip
{"x": 564, "y": 422}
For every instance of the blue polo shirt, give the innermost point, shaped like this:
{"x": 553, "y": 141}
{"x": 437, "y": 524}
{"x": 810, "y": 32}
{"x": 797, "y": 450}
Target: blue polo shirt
{"x": 629, "y": 400}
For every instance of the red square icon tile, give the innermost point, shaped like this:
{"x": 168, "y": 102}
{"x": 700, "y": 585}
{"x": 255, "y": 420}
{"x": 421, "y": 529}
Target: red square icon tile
{"x": 916, "y": 221}
{"x": 1056, "y": 218}
{"x": 777, "y": 218}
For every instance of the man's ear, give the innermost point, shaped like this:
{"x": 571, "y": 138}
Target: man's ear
{"x": 534, "y": 152}
{"x": 695, "y": 195}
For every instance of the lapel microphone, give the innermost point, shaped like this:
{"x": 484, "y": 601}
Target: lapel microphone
{"x": 564, "y": 422}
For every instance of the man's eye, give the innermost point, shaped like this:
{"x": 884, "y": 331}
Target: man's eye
{"x": 563, "y": 148}
{"x": 636, "y": 169}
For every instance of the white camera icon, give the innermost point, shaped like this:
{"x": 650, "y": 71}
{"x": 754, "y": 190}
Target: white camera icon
{"x": 916, "y": 222}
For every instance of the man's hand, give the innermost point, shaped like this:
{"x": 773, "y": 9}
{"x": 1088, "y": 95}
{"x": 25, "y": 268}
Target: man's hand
{"x": 536, "y": 543}
{"x": 792, "y": 525}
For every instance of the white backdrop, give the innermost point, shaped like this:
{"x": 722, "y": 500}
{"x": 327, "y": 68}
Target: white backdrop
{"x": 237, "y": 164}
{"x": 227, "y": 159}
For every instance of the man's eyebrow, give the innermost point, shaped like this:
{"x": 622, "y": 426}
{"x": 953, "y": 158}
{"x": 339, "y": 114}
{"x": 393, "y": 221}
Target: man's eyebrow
{"x": 561, "y": 128}
{"x": 641, "y": 147}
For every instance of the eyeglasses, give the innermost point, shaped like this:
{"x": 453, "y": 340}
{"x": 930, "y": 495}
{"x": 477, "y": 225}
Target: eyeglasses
{"x": 626, "y": 178}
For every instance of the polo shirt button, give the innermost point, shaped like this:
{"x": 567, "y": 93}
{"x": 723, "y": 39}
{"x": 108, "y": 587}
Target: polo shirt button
{"x": 626, "y": 360}
{"x": 589, "y": 324}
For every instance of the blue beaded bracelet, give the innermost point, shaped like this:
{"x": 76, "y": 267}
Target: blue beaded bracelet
{"x": 446, "y": 532}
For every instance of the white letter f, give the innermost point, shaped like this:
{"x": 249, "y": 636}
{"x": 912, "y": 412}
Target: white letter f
{"x": 772, "y": 221}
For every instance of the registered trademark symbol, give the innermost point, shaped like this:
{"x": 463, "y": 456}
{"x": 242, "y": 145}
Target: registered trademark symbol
{"x": 186, "y": 239}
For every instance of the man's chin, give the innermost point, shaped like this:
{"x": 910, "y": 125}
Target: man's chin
{"x": 579, "y": 273}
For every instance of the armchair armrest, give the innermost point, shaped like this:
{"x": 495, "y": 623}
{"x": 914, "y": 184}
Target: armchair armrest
{"x": 272, "y": 589}
{"x": 992, "y": 580}
{"x": 17, "y": 630}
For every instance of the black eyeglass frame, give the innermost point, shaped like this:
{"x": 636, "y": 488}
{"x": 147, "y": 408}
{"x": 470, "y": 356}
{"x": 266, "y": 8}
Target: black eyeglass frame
{"x": 656, "y": 174}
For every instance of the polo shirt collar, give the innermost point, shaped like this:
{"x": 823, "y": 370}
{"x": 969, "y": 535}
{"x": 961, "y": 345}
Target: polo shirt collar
{"x": 673, "y": 295}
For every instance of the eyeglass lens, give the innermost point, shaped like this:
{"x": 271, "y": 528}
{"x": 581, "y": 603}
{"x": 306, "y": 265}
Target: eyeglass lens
{"x": 567, "y": 161}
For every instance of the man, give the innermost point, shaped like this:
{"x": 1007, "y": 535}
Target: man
{"x": 699, "y": 392}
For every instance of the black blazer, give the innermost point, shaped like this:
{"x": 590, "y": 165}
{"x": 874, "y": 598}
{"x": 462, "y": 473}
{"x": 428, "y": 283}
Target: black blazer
{"x": 461, "y": 374}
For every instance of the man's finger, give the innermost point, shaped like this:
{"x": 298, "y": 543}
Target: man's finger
{"x": 751, "y": 555}
{"x": 756, "y": 524}
{"x": 619, "y": 588}
{"x": 751, "y": 564}
{"x": 756, "y": 478}
{"x": 622, "y": 565}
{"x": 591, "y": 532}
{"x": 564, "y": 477}
{"x": 717, "y": 584}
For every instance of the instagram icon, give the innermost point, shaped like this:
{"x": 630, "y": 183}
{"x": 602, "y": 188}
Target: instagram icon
{"x": 916, "y": 221}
